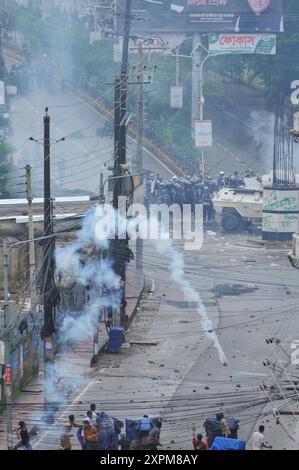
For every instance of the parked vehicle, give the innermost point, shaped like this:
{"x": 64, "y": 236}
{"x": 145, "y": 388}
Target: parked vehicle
{"x": 239, "y": 207}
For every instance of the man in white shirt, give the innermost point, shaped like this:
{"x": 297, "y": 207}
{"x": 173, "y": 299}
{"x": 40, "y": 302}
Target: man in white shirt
{"x": 257, "y": 440}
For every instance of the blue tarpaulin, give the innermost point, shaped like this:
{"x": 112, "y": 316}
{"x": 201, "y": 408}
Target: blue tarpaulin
{"x": 224, "y": 443}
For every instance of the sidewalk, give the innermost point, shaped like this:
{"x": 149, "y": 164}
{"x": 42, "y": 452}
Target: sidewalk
{"x": 73, "y": 363}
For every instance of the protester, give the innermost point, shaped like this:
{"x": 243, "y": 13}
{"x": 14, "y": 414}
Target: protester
{"x": 94, "y": 410}
{"x": 124, "y": 443}
{"x": 106, "y": 428}
{"x": 197, "y": 440}
{"x": 152, "y": 441}
{"x": 91, "y": 417}
{"x": 144, "y": 426}
{"x": 257, "y": 440}
{"x": 80, "y": 437}
{"x": 23, "y": 434}
{"x": 224, "y": 424}
{"x": 91, "y": 436}
{"x": 65, "y": 438}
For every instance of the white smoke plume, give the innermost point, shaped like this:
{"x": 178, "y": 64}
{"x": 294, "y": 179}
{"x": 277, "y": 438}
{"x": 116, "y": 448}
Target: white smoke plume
{"x": 84, "y": 262}
{"x": 91, "y": 270}
{"x": 176, "y": 268}
{"x": 262, "y": 133}
{"x": 96, "y": 271}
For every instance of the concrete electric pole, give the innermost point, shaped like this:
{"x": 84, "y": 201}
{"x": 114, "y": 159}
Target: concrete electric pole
{"x": 120, "y": 249}
{"x": 31, "y": 235}
{"x": 196, "y": 69}
{"x": 48, "y": 271}
{"x": 140, "y": 127}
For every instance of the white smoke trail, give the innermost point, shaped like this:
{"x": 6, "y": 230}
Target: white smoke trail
{"x": 176, "y": 268}
{"x": 81, "y": 262}
{"x": 88, "y": 270}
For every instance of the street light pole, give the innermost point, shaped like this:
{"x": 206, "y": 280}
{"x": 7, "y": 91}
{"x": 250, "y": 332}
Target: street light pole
{"x": 202, "y": 101}
{"x": 196, "y": 86}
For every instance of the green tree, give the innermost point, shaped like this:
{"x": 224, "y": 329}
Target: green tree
{"x": 5, "y": 168}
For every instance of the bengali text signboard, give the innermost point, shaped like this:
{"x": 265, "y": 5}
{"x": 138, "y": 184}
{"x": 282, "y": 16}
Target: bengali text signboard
{"x": 242, "y": 44}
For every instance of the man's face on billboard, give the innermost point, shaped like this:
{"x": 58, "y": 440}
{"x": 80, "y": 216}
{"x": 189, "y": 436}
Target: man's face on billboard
{"x": 258, "y": 6}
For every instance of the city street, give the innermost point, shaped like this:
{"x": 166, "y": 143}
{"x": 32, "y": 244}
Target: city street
{"x": 164, "y": 328}
{"x": 250, "y": 293}
{"x": 76, "y": 162}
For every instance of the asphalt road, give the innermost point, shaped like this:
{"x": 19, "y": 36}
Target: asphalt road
{"x": 77, "y": 162}
{"x": 250, "y": 293}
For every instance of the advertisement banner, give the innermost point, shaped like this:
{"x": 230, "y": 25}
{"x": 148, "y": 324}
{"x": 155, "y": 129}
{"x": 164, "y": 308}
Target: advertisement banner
{"x": 8, "y": 376}
{"x": 203, "y": 134}
{"x": 176, "y": 97}
{"x": 242, "y": 44}
{"x": 205, "y": 16}
{"x": 148, "y": 45}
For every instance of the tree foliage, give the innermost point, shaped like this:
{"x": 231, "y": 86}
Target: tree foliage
{"x": 5, "y": 168}
{"x": 92, "y": 66}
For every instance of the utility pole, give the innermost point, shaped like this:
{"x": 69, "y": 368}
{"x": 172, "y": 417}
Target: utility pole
{"x": 140, "y": 126}
{"x": 102, "y": 192}
{"x": 31, "y": 235}
{"x": 48, "y": 278}
{"x": 197, "y": 88}
{"x": 140, "y": 110}
{"x": 196, "y": 69}
{"x": 8, "y": 375}
{"x": 120, "y": 247}
{"x": 124, "y": 84}
{"x": 2, "y": 64}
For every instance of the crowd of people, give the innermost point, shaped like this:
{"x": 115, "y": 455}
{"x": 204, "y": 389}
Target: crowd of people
{"x": 190, "y": 190}
{"x": 99, "y": 431}
{"x": 226, "y": 428}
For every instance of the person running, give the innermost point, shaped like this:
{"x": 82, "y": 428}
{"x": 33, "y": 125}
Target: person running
{"x": 257, "y": 440}
{"x": 23, "y": 434}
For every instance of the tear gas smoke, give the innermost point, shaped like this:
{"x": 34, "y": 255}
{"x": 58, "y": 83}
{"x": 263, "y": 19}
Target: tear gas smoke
{"x": 176, "y": 268}
{"x": 262, "y": 125}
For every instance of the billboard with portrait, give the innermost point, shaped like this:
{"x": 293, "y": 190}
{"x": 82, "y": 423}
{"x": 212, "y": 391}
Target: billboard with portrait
{"x": 206, "y": 16}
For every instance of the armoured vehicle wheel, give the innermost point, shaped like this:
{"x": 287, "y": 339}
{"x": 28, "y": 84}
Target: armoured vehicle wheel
{"x": 231, "y": 222}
